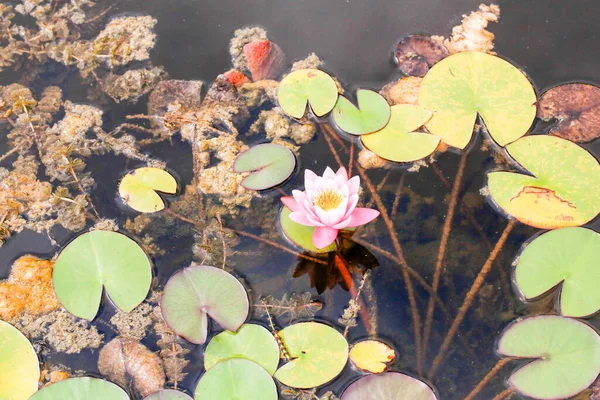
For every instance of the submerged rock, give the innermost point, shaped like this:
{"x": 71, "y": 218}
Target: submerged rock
{"x": 236, "y": 78}
{"x": 265, "y": 59}
{"x": 403, "y": 91}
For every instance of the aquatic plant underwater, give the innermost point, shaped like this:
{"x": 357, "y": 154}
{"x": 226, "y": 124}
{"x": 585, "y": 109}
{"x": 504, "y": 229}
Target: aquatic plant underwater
{"x": 247, "y": 138}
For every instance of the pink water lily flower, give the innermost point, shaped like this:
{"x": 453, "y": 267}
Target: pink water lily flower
{"x": 329, "y": 204}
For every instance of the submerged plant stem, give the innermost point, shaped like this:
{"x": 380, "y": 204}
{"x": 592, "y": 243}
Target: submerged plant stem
{"x": 351, "y": 158}
{"x": 462, "y": 311}
{"x": 505, "y": 394}
{"x": 8, "y": 154}
{"x": 397, "y": 196}
{"x": 442, "y": 250}
{"x": 486, "y": 379}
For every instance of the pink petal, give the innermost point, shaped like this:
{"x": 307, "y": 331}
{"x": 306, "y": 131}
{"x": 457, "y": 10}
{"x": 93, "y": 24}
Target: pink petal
{"x": 309, "y": 179}
{"x": 352, "y": 202}
{"x": 361, "y": 216}
{"x": 301, "y": 218}
{"x": 291, "y": 203}
{"x": 342, "y": 173}
{"x": 324, "y": 236}
{"x": 328, "y": 174}
{"x": 342, "y": 224}
{"x": 353, "y": 184}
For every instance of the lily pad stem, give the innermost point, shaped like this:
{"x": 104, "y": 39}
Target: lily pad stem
{"x": 486, "y": 379}
{"x": 505, "y": 394}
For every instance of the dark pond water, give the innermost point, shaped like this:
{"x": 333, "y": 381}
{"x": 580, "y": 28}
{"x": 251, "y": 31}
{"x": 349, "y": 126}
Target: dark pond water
{"x": 554, "y": 41}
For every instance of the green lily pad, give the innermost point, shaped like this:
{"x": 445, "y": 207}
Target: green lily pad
{"x": 300, "y": 235}
{"x": 81, "y": 389}
{"x": 236, "y": 378}
{"x": 19, "y": 367}
{"x": 397, "y": 141}
{"x": 463, "y": 85}
{"x": 318, "y": 351}
{"x": 388, "y": 386}
{"x": 563, "y": 190}
{"x": 99, "y": 259}
{"x": 372, "y": 113}
{"x": 304, "y": 86}
{"x": 252, "y": 342}
{"x": 197, "y": 291}
{"x": 138, "y": 189}
{"x": 568, "y": 258}
{"x": 566, "y": 353}
{"x": 270, "y": 164}
{"x": 168, "y": 394}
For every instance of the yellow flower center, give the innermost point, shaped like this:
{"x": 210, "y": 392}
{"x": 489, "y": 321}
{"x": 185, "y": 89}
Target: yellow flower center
{"x": 328, "y": 199}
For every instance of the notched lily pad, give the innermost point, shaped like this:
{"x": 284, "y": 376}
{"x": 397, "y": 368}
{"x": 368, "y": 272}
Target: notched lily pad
{"x": 567, "y": 258}
{"x": 100, "y": 259}
{"x": 19, "y": 368}
{"x": 372, "y": 356}
{"x": 372, "y": 113}
{"x": 81, "y": 389}
{"x": 566, "y": 355}
{"x": 301, "y": 235}
{"x": 311, "y": 86}
{"x": 270, "y": 164}
{"x": 576, "y": 107}
{"x": 397, "y": 141}
{"x": 563, "y": 190}
{"x": 388, "y": 386}
{"x": 318, "y": 352}
{"x": 199, "y": 291}
{"x": 465, "y": 84}
{"x": 415, "y": 54}
{"x": 236, "y": 378}
{"x": 139, "y": 188}
{"x": 168, "y": 394}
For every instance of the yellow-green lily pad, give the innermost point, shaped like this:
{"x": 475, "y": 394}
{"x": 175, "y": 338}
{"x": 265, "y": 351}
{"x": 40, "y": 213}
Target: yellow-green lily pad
{"x": 19, "y": 367}
{"x": 372, "y": 113}
{"x": 463, "y": 85}
{"x": 300, "y": 235}
{"x": 311, "y": 86}
{"x": 168, "y": 394}
{"x": 563, "y": 190}
{"x": 318, "y": 351}
{"x": 565, "y": 353}
{"x": 81, "y": 389}
{"x": 139, "y": 188}
{"x": 397, "y": 141}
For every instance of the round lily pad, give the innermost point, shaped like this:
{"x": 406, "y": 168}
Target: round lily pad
{"x": 318, "y": 352}
{"x": 197, "y": 291}
{"x": 168, "y": 394}
{"x": 563, "y": 190}
{"x": 138, "y": 189}
{"x": 371, "y": 356}
{"x": 300, "y": 235}
{"x": 81, "y": 389}
{"x": 270, "y": 164}
{"x": 566, "y": 353}
{"x": 568, "y": 258}
{"x": 304, "y": 86}
{"x": 99, "y": 259}
{"x": 397, "y": 141}
{"x": 463, "y": 85}
{"x": 251, "y": 341}
{"x": 372, "y": 113}
{"x": 236, "y": 378}
{"x": 19, "y": 367}
{"x": 388, "y": 386}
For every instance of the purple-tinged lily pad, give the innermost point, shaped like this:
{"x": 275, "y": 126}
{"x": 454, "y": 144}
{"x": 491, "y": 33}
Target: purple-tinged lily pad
{"x": 199, "y": 291}
{"x": 388, "y": 386}
{"x": 270, "y": 164}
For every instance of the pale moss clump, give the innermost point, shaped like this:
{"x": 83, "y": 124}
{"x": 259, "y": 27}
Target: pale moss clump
{"x": 241, "y": 37}
{"x": 133, "y": 325}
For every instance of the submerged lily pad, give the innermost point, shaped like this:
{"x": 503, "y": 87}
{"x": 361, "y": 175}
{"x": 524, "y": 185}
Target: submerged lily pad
{"x": 563, "y": 190}
{"x": 466, "y": 84}
{"x": 299, "y": 234}
{"x": 236, "y": 378}
{"x": 168, "y": 394}
{"x": 304, "y": 86}
{"x": 371, "y": 356}
{"x": 576, "y": 107}
{"x": 388, "y": 386}
{"x": 415, "y": 54}
{"x": 372, "y": 113}
{"x": 81, "y": 389}
{"x": 318, "y": 352}
{"x": 566, "y": 353}
{"x": 100, "y": 259}
{"x": 197, "y": 291}
{"x": 251, "y": 341}
{"x": 397, "y": 141}
{"x": 138, "y": 188}
{"x": 19, "y": 368}
{"x": 566, "y": 257}
{"x": 270, "y": 164}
